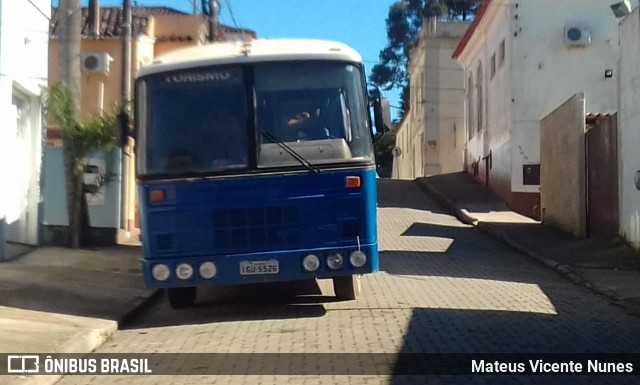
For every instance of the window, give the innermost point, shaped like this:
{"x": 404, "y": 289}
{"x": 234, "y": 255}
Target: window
{"x": 470, "y": 106}
{"x": 479, "y": 89}
{"x": 501, "y": 53}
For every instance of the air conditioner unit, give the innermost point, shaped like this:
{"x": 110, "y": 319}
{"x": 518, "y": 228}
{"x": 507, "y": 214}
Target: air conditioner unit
{"x": 577, "y": 36}
{"x": 96, "y": 62}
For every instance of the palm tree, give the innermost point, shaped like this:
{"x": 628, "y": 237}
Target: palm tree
{"x": 80, "y": 140}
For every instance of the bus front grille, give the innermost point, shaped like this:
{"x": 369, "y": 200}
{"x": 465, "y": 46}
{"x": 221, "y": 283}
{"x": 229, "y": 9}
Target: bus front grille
{"x": 256, "y": 226}
{"x": 164, "y": 242}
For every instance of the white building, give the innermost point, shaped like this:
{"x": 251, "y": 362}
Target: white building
{"x": 521, "y": 60}
{"x": 404, "y": 166}
{"x": 432, "y": 136}
{"x": 628, "y": 128}
{"x": 24, "y": 29}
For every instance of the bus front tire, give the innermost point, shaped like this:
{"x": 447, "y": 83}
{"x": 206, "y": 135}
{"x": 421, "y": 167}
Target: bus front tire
{"x": 347, "y": 288}
{"x": 181, "y": 297}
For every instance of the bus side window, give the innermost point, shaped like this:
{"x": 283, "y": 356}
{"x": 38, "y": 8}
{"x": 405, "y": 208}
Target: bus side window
{"x": 346, "y": 118}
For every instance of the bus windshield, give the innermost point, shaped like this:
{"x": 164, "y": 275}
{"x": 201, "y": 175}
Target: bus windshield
{"x": 197, "y": 121}
{"x": 193, "y": 121}
{"x": 322, "y": 117}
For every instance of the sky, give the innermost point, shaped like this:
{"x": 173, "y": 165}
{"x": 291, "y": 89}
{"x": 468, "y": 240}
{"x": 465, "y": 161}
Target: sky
{"x": 357, "y": 23}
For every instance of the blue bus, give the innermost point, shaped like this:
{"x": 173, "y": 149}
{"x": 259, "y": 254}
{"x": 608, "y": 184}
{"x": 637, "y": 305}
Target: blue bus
{"x": 255, "y": 164}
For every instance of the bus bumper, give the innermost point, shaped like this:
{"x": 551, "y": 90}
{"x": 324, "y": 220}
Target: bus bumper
{"x": 275, "y": 266}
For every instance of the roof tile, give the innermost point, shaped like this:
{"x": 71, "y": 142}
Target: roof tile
{"x": 111, "y": 19}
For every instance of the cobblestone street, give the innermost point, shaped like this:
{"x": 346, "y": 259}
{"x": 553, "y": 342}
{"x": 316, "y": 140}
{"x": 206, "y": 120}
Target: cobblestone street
{"x": 443, "y": 287}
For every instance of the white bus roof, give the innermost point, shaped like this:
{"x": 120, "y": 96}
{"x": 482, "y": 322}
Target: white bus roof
{"x": 250, "y": 52}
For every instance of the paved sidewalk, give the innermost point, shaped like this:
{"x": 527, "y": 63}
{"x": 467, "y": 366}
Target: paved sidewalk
{"x": 609, "y": 267}
{"x": 57, "y": 300}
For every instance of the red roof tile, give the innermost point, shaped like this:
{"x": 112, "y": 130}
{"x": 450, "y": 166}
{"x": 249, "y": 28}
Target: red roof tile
{"x": 111, "y": 19}
{"x": 472, "y": 28}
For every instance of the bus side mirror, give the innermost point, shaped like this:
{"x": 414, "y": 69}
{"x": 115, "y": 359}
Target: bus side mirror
{"x": 125, "y": 129}
{"x": 381, "y": 115}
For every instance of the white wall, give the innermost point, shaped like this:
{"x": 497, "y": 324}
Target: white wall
{"x": 629, "y": 121}
{"x": 413, "y": 157}
{"x": 24, "y": 29}
{"x": 102, "y": 206}
{"x": 403, "y": 164}
{"x": 444, "y": 102}
{"x": 436, "y": 140}
{"x": 546, "y": 71}
{"x": 540, "y": 72}
{"x": 494, "y": 134}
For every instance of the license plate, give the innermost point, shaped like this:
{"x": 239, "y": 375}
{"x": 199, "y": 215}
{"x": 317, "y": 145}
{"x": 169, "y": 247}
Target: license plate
{"x": 259, "y": 267}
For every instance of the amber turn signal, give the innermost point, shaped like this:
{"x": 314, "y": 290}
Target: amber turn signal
{"x": 156, "y": 196}
{"x": 353, "y": 182}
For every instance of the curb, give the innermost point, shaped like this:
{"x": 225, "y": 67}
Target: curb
{"x": 103, "y": 334}
{"x": 486, "y": 228}
{"x": 146, "y": 302}
{"x": 448, "y": 204}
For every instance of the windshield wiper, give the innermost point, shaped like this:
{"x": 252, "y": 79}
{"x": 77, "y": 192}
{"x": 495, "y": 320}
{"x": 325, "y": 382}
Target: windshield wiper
{"x": 291, "y": 152}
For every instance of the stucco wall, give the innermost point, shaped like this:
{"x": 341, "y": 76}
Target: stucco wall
{"x": 546, "y": 71}
{"x": 403, "y": 164}
{"x": 412, "y": 142}
{"x": 562, "y": 167}
{"x": 99, "y": 91}
{"x": 103, "y": 214}
{"x": 180, "y": 26}
{"x": 436, "y": 141}
{"x": 629, "y": 121}
{"x": 539, "y": 73}
{"x": 493, "y": 136}
{"x": 444, "y": 104}
{"x": 90, "y": 81}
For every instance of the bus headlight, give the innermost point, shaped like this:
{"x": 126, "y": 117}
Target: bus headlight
{"x": 207, "y": 270}
{"x": 334, "y": 261}
{"x": 184, "y": 271}
{"x": 358, "y": 258}
{"x": 160, "y": 272}
{"x": 311, "y": 262}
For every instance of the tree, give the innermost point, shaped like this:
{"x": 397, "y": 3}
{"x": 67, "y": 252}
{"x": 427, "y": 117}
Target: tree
{"x": 404, "y": 22}
{"x": 461, "y": 9}
{"x": 81, "y": 139}
{"x": 69, "y": 30}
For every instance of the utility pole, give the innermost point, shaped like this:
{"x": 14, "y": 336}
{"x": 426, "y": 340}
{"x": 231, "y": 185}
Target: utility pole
{"x": 213, "y": 20}
{"x": 126, "y": 98}
{"x": 126, "y": 50}
{"x": 69, "y": 29}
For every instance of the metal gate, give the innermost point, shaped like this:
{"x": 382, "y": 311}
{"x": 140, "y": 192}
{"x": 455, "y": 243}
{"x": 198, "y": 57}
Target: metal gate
{"x": 602, "y": 175}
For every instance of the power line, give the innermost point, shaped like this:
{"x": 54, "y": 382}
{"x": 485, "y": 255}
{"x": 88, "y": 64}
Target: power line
{"x": 39, "y": 10}
{"x": 233, "y": 18}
